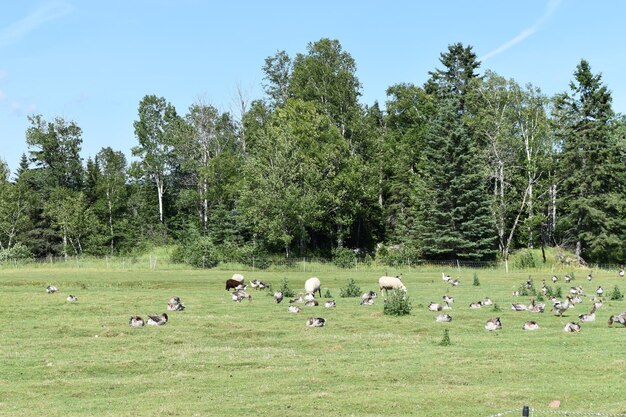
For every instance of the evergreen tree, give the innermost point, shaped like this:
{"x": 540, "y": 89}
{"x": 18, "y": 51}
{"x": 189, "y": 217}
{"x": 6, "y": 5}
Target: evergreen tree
{"x": 454, "y": 219}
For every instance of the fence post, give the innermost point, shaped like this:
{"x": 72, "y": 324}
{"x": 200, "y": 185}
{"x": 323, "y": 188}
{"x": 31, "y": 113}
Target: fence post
{"x": 525, "y": 411}
{"x": 458, "y": 265}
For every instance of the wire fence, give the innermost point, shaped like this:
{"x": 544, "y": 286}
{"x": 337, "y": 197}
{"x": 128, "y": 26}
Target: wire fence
{"x": 162, "y": 262}
{"x": 529, "y": 412}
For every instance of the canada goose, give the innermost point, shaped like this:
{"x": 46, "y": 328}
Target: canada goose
{"x": 454, "y": 282}
{"x": 536, "y": 308}
{"x": 175, "y": 307}
{"x": 589, "y": 317}
{"x": 477, "y": 304}
{"x": 136, "y": 321}
{"x": 620, "y": 319}
{"x": 599, "y": 291}
{"x": 530, "y": 325}
{"x": 174, "y": 300}
{"x": 369, "y": 294}
{"x": 515, "y": 293}
{"x": 567, "y": 278}
{"x": 278, "y": 297}
{"x": 435, "y": 307}
{"x": 262, "y": 285}
{"x": 518, "y": 307}
{"x": 443, "y": 318}
{"x": 255, "y": 283}
{"x": 311, "y": 303}
{"x": 621, "y": 273}
{"x": 493, "y": 324}
{"x": 529, "y": 283}
{"x": 367, "y": 301}
{"x": 239, "y": 295}
{"x": 299, "y": 300}
{"x": 576, "y": 291}
{"x": 330, "y": 304}
{"x": 589, "y": 277}
{"x": 72, "y": 298}
{"x": 447, "y": 299}
{"x": 446, "y": 306}
{"x": 294, "y": 309}
{"x": 487, "y": 302}
{"x": 598, "y": 303}
{"x": 576, "y": 300}
{"x": 544, "y": 289}
{"x": 157, "y": 320}
{"x": 316, "y": 322}
{"x": 572, "y": 327}
{"x": 309, "y": 296}
{"x": 51, "y": 289}
{"x": 554, "y": 279}
{"x": 445, "y": 277}
{"x": 561, "y": 307}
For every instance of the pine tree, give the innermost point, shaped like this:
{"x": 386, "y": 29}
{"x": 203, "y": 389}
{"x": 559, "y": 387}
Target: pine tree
{"x": 451, "y": 195}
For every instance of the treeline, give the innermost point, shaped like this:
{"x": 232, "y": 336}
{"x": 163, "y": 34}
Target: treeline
{"x": 469, "y": 165}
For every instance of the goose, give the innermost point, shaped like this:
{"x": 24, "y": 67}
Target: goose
{"x": 560, "y": 307}
{"x": 567, "y": 278}
{"x": 572, "y": 327}
{"x": 576, "y": 291}
{"x": 311, "y": 303}
{"x": 157, "y": 320}
{"x": 515, "y": 293}
{"x": 544, "y": 289}
{"x": 530, "y": 325}
{"x": 454, "y": 282}
{"x": 589, "y": 317}
{"x": 294, "y": 309}
{"x": 620, "y": 319}
{"x": 589, "y": 277}
{"x": 529, "y": 283}
{"x": 369, "y": 294}
{"x": 536, "y": 308}
{"x": 239, "y": 295}
{"x": 477, "y": 304}
{"x": 447, "y": 307}
{"x": 175, "y": 307}
{"x": 330, "y": 304}
{"x": 298, "y": 300}
{"x": 255, "y": 283}
{"x": 367, "y": 301}
{"x": 493, "y": 324}
{"x": 136, "y": 321}
{"x": 621, "y": 273}
{"x": 554, "y": 279}
{"x": 316, "y": 322}
{"x": 598, "y": 303}
{"x": 435, "y": 307}
{"x": 518, "y": 307}
{"x": 278, "y": 297}
{"x": 174, "y": 300}
{"x": 309, "y": 296}
{"x": 72, "y": 298}
{"x": 443, "y": 318}
{"x": 262, "y": 285}
{"x": 487, "y": 302}
{"x": 51, "y": 289}
{"x": 447, "y": 299}
{"x": 445, "y": 277}
{"x": 576, "y": 300}
{"x": 599, "y": 291}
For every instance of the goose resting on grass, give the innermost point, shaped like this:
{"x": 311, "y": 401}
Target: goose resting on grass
{"x": 157, "y": 320}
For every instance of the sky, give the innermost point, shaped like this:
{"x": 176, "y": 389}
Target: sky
{"x": 91, "y": 62}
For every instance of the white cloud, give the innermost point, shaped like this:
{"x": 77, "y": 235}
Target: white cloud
{"x": 550, "y": 9}
{"x": 44, "y": 13}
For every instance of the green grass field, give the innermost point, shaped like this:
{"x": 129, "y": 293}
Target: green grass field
{"x": 221, "y": 358}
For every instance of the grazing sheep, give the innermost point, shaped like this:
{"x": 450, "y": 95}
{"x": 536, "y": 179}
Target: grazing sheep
{"x": 136, "y": 321}
{"x": 572, "y": 327}
{"x": 311, "y": 303}
{"x": 72, "y": 298}
{"x": 238, "y": 277}
{"x": 330, "y": 304}
{"x": 312, "y": 285}
{"x": 435, "y": 307}
{"x": 390, "y": 283}
{"x": 51, "y": 289}
{"x": 369, "y": 294}
{"x": 316, "y": 322}
{"x": 294, "y": 309}
{"x": 367, "y": 301}
{"x": 234, "y": 284}
{"x": 493, "y": 324}
{"x": 530, "y": 325}
{"x": 443, "y": 318}
{"x": 278, "y": 297}
{"x": 157, "y": 320}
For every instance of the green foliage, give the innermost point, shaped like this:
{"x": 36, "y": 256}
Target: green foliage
{"x": 445, "y": 340}
{"x": 344, "y": 257}
{"x": 351, "y": 289}
{"x": 616, "y": 294}
{"x": 396, "y": 255}
{"x": 476, "y": 282}
{"x": 524, "y": 259}
{"x": 327, "y": 294}
{"x": 200, "y": 253}
{"x": 14, "y": 253}
{"x": 284, "y": 288}
{"x": 397, "y": 304}
{"x": 496, "y": 308}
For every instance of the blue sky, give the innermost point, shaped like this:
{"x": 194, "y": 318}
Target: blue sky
{"x": 92, "y": 62}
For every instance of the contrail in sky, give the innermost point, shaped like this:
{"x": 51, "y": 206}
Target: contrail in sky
{"x": 550, "y": 9}
{"x": 44, "y": 13}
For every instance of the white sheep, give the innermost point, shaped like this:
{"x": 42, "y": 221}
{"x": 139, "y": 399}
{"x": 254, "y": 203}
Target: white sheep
{"x": 238, "y": 277}
{"x": 312, "y": 285}
{"x": 390, "y": 283}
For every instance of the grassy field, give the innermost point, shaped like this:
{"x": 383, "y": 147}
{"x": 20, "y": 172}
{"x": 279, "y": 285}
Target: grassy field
{"x": 220, "y": 358}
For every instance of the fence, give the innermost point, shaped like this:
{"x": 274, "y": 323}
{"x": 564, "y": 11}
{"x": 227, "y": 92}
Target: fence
{"x": 529, "y": 412}
{"x": 162, "y": 262}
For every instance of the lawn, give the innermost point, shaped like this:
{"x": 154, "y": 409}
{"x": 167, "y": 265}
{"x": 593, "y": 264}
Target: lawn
{"x": 221, "y": 358}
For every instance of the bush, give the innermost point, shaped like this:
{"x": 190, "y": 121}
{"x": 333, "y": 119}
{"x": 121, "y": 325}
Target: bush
{"x": 344, "y": 257}
{"x": 445, "y": 341}
{"x": 496, "y": 308}
{"x": 351, "y": 290}
{"x": 396, "y": 255}
{"x": 327, "y": 294}
{"x": 524, "y": 259}
{"x": 200, "y": 253}
{"x": 284, "y": 288}
{"x": 16, "y": 252}
{"x": 476, "y": 282}
{"x": 398, "y": 304}
{"x": 616, "y": 294}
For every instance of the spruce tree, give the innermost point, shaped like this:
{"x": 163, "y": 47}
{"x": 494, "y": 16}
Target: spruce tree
{"x": 454, "y": 219}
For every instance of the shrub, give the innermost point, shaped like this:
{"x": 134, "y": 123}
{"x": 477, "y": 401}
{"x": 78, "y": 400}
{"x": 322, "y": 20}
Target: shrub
{"x": 445, "y": 341}
{"x": 524, "y": 259}
{"x": 351, "y": 290}
{"x": 284, "y": 288}
{"x": 396, "y": 255}
{"x": 200, "y": 253}
{"x": 496, "y": 308}
{"x": 616, "y": 294}
{"x": 16, "y": 252}
{"x": 476, "y": 282}
{"x": 344, "y": 257}
{"x": 398, "y": 304}
{"x": 327, "y": 294}
{"x": 558, "y": 293}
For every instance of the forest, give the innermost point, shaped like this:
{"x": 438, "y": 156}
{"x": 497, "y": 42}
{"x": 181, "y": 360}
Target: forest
{"x": 471, "y": 165}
